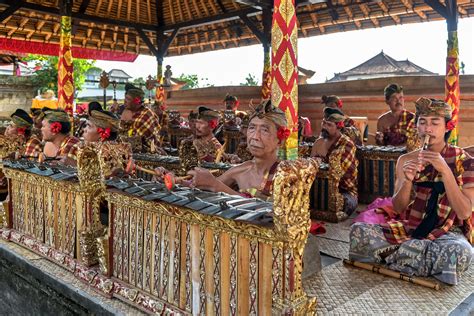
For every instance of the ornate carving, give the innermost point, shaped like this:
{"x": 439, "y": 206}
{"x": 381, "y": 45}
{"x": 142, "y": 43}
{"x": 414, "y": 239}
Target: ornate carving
{"x": 188, "y": 156}
{"x": 9, "y": 145}
{"x": 292, "y": 184}
{"x": 103, "y": 254}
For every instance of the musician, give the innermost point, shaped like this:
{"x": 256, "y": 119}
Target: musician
{"x": 242, "y": 148}
{"x": 205, "y": 143}
{"x": 21, "y": 126}
{"x": 266, "y": 132}
{"x": 434, "y": 197}
{"x": 101, "y": 126}
{"x": 397, "y": 125}
{"x": 332, "y": 144}
{"x": 139, "y": 120}
{"x": 349, "y": 129}
{"x": 56, "y": 127}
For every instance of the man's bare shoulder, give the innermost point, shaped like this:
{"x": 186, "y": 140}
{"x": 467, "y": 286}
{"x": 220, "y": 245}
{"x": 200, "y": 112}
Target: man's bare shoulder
{"x": 384, "y": 116}
{"x": 243, "y": 167}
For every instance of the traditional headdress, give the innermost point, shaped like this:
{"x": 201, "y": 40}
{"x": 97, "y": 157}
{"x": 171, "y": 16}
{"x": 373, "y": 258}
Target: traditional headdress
{"x": 207, "y": 114}
{"x": 104, "y": 119}
{"x": 267, "y": 110}
{"x": 431, "y": 107}
{"x": 334, "y": 115}
{"x": 192, "y": 115}
{"x": 21, "y": 119}
{"x": 229, "y": 97}
{"x": 325, "y": 99}
{"x": 134, "y": 92}
{"x": 391, "y": 89}
{"x": 56, "y": 116}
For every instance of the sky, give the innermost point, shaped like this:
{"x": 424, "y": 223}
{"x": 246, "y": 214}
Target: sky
{"x": 422, "y": 43}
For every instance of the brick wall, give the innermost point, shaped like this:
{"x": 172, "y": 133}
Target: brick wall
{"x": 360, "y": 98}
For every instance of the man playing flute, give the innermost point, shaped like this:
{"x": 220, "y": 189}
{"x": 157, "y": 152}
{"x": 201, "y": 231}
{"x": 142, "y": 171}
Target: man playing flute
{"x": 433, "y": 235}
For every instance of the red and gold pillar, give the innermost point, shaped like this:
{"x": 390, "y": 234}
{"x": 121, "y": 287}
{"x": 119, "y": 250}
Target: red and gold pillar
{"x": 285, "y": 70}
{"x": 451, "y": 85}
{"x": 160, "y": 90}
{"x": 65, "y": 67}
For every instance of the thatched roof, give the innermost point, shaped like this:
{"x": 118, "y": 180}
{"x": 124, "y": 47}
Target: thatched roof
{"x": 382, "y": 65}
{"x": 199, "y": 25}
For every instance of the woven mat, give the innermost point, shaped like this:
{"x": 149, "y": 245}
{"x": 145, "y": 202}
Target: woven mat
{"x": 334, "y": 248}
{"x": 336, "y": 232}
{"x": 342, "y": 290}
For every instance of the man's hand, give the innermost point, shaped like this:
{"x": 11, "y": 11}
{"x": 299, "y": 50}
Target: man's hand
{"x": 435, "y": 159}
{"x": 411, "y": 168}
{"x": 202, "y": 179}
{"x": 379, "y": 137}
{"x": 159, "y": 173}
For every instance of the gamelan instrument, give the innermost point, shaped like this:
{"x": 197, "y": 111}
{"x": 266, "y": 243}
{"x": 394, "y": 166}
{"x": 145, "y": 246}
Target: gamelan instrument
{"x": 376, "y": 176}
{"x": 179, "y": 251}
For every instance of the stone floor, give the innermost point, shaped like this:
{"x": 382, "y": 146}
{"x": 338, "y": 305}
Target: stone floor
{"x": 343, "y": 290}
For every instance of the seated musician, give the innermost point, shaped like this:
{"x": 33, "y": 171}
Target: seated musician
{"x": 350, "y": 130}
{"x": 205, "y": 143}
{"x": 242, "y": 148}
{"x": 101, "y": 126}
{"x": 434, "y": 197}
{"x": 139, "y": 120}
{"x": 21, "y": 126}
{"x": 266, "y": 132}
{"x": 56, "y": 128}
{"x": 332, "y": 144}
{"x": 397, "y": 125}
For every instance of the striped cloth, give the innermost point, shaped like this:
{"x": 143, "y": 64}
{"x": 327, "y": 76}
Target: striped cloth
{"x": 462, "y": 165}
{"x": 398, "y": 134}
{"x": 145, "y": 123}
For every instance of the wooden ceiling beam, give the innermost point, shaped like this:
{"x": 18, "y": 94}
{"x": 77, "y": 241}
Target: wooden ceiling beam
{"x": 438, "y": 7}
{"x": 221, "y": 6}
{"x": 160, "y": 20}
{"x": 80, "y": 16}
{"x": 147, "y": 41}
{"x": 84, "y": 5}
{"x": 9, "y": 11}
{"x": 255, "y": 30}
{"x": 211, "y": 19}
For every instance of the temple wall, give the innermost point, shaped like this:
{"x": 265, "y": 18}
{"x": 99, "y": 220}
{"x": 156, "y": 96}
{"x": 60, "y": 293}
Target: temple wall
{"x": 15, "y": 92}
{"x": 360, "y": 98}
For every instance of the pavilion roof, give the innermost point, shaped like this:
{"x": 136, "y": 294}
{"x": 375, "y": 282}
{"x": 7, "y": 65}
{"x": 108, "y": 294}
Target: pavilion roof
{"x": 130, "y": 26}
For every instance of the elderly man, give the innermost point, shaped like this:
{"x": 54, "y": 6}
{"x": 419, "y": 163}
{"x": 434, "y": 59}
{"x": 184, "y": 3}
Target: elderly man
{"x": 332, "y": 144}
{"x": 56, "y": 127}
{"x": 435, "y": 233}
{"x": 266, "y": 132}
{"x": 139, "y": 120}
{"x": 397, "y": 125}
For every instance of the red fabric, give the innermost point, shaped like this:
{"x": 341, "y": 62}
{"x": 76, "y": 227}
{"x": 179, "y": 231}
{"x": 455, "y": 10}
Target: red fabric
{"x": 317, "y": 228}
{"x": 31, "y": 47}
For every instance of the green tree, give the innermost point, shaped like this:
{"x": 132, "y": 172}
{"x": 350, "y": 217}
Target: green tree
{"x": 250, "y": 80}
{"x": 139, "y": 82}
{"x": 47, "y": 74}
{"x": 192, "y": 81}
